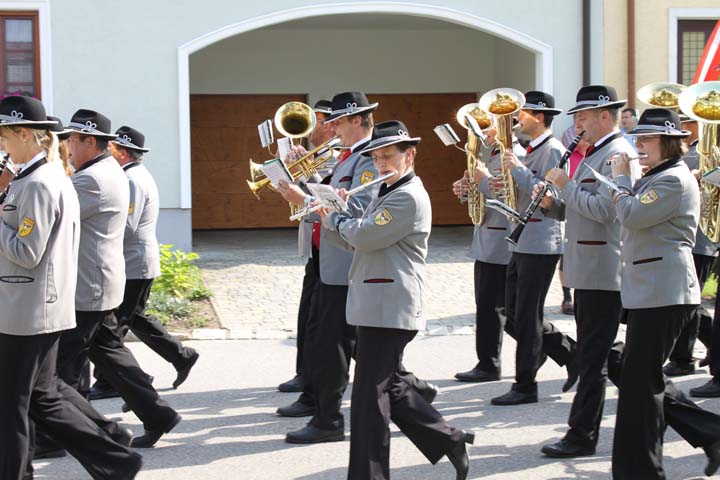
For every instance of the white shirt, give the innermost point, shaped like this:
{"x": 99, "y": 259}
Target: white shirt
{"x": 540, "y": 139}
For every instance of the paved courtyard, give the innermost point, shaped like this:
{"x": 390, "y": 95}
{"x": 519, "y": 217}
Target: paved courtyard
{"x": 257, "y": 277}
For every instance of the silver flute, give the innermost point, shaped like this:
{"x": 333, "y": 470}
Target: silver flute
{"x": 639, "y": 156}
{"x": 308, "y": 210}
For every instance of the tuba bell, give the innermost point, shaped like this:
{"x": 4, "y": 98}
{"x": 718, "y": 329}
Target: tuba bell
{"x": 661, "y": 94}
{"x": 701, "y": 102}
{"x": 502, "y": 104}
{"x": 295, "y": 119}
{"x": 475, "y": 199}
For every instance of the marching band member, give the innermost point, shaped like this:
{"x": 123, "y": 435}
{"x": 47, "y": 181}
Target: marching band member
{"x": 385, "y": 296}
{"x": 682, "y": 361}
{"x": 660, "y": 290}
{"x": 142, "y": 259}
{"x": 319, "y": 135}
{"x": 491, "y": 253}
{"x": 104, "y": 195}
{"x": 39, "y": 241}
{"x": 592, "y": 262}
{"x": 62, "y": 135}
{"x": 533, "y": 261}
{"x": 329, "y": 339}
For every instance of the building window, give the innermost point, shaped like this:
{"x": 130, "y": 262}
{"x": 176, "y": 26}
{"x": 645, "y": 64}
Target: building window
{"x": 19, "y": 55}
{"x": 692, "y": 36}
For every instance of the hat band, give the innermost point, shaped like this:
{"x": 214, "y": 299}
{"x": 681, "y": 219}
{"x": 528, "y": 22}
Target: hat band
{"x": 87, "y": 127}
{"x": 537, "y": 106}
{"x": 350, "y": 108}
{"x": 323, "y": 110}
{"x": 126, "y": 141}
{"x": 14, "y": 117}
{"x": 596, "y": 103}
{"x": 660, "y": 129}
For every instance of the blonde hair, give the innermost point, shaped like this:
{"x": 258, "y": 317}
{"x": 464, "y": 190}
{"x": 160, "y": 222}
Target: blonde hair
{"x": 46, "y": 140}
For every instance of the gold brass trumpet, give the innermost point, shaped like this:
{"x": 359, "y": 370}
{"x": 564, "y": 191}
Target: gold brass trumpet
{"x": 502, "y": 104}
{"x": 475, "y": 199}
{"x": 661, "y": 94}
{"x": 701, "y": 102}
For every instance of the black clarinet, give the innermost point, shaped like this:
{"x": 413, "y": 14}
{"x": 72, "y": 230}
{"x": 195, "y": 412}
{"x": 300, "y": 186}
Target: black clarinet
{"x": 514, "y": 237}
{"x": 4, "y": 161}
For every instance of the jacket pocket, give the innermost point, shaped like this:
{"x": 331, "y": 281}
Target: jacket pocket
{"x": 97, "y": 287}
{"x": 51, "y": 292}
{"x": 379, "y": 280}
{"x": 647, "y": 260}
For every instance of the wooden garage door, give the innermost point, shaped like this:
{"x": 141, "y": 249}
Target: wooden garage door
{"x": 437, "y": 165}
{"x": 224, "y": 136}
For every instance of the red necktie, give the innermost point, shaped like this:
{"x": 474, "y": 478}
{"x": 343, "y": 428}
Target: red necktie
{"x": 316, "y": 226}
{"x": 529, "y": 149}
{"x": 589, "y": 150}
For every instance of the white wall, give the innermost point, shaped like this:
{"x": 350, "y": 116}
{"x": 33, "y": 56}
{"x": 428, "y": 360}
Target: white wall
{"x": 278, "y": 60}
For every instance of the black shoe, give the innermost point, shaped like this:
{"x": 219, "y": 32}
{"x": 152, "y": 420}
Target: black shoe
{"x": 124, "y": 437}
{"x": 713, "y": 454}
{"x": 99, "y": 392}
{"x": 477, "y": 376}
{"x": 710, "y": 390}
{"x": 135, "y": 466}
{"x": 183, "y": 372}
{"x": 125, "y": 408}
{"x": 312, "y": 434}
{"x": 295, "y": 384}
{"x": 296, "y": 409}
{"x": 704, "y": 362}
{"x": 567, "y": 308}
{"x": 459, "y": 458}
{"x": 429, "y": 393}
{"x": 150, "y": 437}
{"x": 566, "y": 449}
{"x": 515, "y": 398}
{"x": 572, "y": 373}
{"x": 674, "y": 369}
{"x": 49, "y": 452}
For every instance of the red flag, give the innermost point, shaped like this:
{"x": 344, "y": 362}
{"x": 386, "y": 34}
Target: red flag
{"x": 708, "y": 68}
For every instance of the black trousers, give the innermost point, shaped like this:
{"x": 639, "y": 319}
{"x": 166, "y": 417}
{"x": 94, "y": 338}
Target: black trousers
{"x": 700, "y": 325}
{"x": 698, "y": 427}
{"x": 641, "y": 416}
{"x": 714, "y": 348}
{"x": 330, "y": 342}
{"x": 131, "y": 316}
{"x": 309, "y": 287}
{"x": 528, "y": 281}
{"x": 490, "y": 321}
{"x": 29, "y": 389}
{"x": 96, "y": 337}
{"x": 379, "y": 395}
{"x": 597, "y": 315}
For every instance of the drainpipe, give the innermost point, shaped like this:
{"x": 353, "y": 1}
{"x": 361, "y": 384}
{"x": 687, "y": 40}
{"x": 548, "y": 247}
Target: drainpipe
{"x": 586, "y": 42}
{"x": 631, "y": 52}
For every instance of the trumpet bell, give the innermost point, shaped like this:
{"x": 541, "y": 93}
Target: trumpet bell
{"x": 482, "y": 118}
{"x": 502, "y": 101}
{"x": 295, "y": 119}
{"x": 256, "y": 172}
{"x": 661, "y": 94}
{"x": 701, "y": 102}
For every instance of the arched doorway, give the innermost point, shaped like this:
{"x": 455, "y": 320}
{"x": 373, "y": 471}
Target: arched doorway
{"x": 412, "y": 57}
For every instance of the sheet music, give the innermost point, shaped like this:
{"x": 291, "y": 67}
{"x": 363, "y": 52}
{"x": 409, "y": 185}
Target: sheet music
{"x": 327, "y": 196}
{"x": 713, "y": 177}
{"x": 605, "y": 180}
{"x": 275, "y": 170}
{"x": 284, "y": 145}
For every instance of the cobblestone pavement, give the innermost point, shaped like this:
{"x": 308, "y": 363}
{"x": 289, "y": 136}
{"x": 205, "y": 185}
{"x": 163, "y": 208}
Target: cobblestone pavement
{"x": 256, "y": 276}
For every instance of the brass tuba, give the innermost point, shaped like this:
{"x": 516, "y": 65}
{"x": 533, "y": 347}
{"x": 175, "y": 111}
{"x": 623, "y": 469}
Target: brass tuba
{"x": 502, "y": 104}
{"x": 475, "y": 199}
{"x": 701, "y": 102}
{"x": 661, "y": 94}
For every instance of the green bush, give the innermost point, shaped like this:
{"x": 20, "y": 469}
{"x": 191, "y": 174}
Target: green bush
{"x": 179, "y": 284}
{"x": 711, "y": 286}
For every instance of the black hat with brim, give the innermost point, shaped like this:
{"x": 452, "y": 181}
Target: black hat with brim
{"x": 596, "y": 96}
{"x": 22, "y": 111}
{"x": 90, "y": 122}
{"x": 540, "y": 102}
{"x": 61, "y": 132}
{"x": 323, "y": 106}
{"x": 128, "y": 137}
{"x": 389, "y": 133}
{"x": 349, "y": 103}
{"x": 659, "y": 121}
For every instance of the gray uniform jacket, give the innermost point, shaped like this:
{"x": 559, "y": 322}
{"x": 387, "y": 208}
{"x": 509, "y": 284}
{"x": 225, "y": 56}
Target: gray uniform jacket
{"x": 387, "y": 276}
{"x": 141, "y": 249}
{"x": 104, "y": 194}
{"x": 703, "y": 245}
{"x": 659, "y": 222}
{"x": 39, "y": 238}
{"x": 489, "y": 244}
{"x": 592, "y": 233}
{"x": 542, "y": 235}
{"x": 354, "y": 171}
